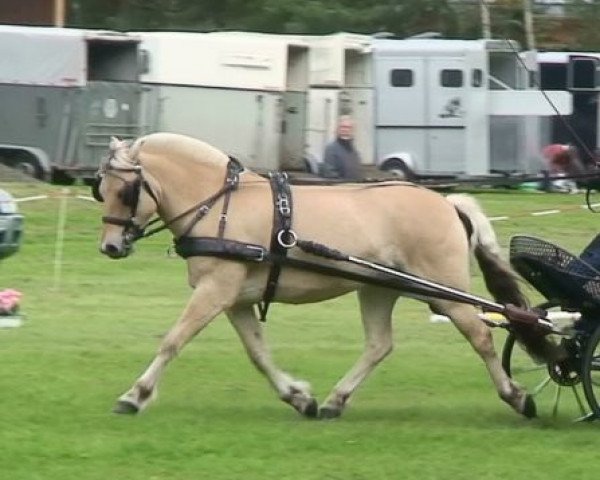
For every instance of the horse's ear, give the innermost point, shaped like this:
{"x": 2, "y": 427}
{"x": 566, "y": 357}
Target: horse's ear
{"x": 114, "y": 144}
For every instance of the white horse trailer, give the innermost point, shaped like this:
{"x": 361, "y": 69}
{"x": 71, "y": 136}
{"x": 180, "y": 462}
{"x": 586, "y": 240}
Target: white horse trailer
{"x": 578, "y": 74}
{"x": 245, "y": 93}
{"x": 457, "y": 107}
{"x": 64, "y": 92}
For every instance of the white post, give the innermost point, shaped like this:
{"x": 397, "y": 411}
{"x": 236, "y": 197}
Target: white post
{"x": 60, "y": 237}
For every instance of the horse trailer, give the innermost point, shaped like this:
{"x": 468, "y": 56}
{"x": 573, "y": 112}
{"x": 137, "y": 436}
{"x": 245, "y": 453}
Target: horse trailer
{"x": 457, "y": 107}
{"x": 244, "y": 93}
{"x": 64, "y": 93}
{"x": 429, "y": 106}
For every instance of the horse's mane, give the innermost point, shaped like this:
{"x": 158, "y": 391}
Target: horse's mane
{"x": 175, "y": 145}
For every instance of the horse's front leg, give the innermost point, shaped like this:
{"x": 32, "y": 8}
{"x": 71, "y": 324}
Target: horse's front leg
{"x": 215, "y": 291}
{"x": 376, "y": 305}
{"x": 295, "y": 392}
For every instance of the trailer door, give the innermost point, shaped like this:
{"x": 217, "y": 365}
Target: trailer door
{"x": 446, "y": 114}
{"x": 293, "y": 128}
{"x": 109, "y": 103}
{"x": 107, "y": 109}
{"x": 400, "y": 112}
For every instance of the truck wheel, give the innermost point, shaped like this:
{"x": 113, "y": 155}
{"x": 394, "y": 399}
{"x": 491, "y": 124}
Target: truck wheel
{"x": 27, "y": 164}
{"x": 399, "y": 169}
{"x": 61, "y": 178}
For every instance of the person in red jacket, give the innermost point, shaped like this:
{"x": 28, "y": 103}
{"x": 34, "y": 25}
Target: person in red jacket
{"x": 563, "y": 161}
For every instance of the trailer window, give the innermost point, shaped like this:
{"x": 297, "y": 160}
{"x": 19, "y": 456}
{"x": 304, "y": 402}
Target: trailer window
{"x": 451, "y": 78}
{"x": 401, "y": 77}
{"x": 553, "y": 76}
{"x": 583, "y": 73}
{"x": 112, "y": 61}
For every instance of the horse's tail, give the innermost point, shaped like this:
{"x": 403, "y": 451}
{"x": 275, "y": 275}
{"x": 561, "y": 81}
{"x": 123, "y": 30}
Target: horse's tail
{"x": 500, "y": 280}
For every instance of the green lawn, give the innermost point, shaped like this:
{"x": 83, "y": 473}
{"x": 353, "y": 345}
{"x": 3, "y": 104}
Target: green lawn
{"x": 428, "y": 412}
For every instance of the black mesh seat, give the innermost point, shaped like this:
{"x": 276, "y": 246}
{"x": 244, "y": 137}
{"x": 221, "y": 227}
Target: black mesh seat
{"x": 561, "y": 277}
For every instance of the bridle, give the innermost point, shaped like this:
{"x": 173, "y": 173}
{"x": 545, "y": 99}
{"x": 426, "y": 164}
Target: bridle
{"x": 130, "y": 196}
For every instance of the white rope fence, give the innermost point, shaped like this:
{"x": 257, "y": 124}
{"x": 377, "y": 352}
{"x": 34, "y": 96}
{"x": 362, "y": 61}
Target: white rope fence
{"x": 63, "y": 197}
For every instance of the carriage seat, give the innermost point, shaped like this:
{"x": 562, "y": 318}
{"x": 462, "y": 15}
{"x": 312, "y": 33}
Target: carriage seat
{"x": 561, "y": 277}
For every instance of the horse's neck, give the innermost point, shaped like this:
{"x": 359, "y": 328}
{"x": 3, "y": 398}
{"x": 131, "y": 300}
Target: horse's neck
{"x": 184, "y": 185}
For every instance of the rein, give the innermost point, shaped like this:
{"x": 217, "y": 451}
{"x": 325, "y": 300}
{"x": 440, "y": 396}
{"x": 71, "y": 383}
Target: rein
{"x": 231, "y": 183}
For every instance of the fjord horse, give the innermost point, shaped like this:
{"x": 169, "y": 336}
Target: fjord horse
{"x": 395, "y": 224}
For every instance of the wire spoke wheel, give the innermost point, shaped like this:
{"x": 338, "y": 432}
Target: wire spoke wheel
{"x": 591, "y": 371}
{"x": 557, "y": 387}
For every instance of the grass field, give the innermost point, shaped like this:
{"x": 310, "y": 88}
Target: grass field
{"x": 428, "y": 412}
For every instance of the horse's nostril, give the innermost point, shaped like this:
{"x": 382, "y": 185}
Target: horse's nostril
{"x": 109, "y": 249}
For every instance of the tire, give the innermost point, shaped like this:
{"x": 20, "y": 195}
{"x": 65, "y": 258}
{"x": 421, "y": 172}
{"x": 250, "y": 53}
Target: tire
{"x": 559, "y": 389}
{"x": 61, "y": 178}
{"x": 399, "y": 169}
{"x": 26, "y": 164}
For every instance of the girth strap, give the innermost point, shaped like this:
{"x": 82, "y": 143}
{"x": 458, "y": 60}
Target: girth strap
{"x": 282, "y": 236}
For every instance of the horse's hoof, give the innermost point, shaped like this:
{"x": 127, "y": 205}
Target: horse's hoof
{"x": 529, "y": 408}
{"x": 125, "y": 407}
{"x": 312, "y": 409}
{"x": 329, "y": 412}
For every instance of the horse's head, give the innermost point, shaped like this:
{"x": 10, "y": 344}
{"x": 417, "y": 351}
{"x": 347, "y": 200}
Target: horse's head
{"x": 128, "y": 197}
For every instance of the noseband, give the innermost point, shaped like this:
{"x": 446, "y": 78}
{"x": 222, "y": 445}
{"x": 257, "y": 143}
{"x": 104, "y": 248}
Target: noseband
{"x": 129, "y": 196}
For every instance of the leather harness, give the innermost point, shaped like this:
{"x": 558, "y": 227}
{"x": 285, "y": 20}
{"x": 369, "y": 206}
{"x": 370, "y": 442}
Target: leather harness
{"x": 282, "y": 235}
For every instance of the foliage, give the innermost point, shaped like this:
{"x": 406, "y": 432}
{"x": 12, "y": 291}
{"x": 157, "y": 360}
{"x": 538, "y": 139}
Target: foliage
{"x": 428, "y": 412}
{"x": 402, "y": 18}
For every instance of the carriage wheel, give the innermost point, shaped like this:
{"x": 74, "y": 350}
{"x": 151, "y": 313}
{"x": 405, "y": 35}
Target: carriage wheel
{"x": 591, "y": 372}
{"x": 557, "y": 387}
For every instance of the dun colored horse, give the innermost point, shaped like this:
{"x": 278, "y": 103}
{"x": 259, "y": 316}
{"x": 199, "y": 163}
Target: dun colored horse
{"x": 212, "y": 204}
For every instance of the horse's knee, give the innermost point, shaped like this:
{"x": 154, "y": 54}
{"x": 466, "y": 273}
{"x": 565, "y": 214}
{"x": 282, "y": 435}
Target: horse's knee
{"x": 168, "y": 349}
{"x": 381, "y": 349}
{"x": 482, "y": 341}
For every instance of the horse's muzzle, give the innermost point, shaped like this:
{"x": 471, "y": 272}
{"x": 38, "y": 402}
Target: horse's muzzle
{"x": 115, "y": 251}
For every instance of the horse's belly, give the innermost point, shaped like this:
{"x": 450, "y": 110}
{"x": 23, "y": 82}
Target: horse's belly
{"x": 298, "y": 287}
{"x": 311, "y": 295}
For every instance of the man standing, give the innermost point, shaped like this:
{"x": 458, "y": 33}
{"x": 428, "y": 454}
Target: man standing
{"x": 341, "y": 160}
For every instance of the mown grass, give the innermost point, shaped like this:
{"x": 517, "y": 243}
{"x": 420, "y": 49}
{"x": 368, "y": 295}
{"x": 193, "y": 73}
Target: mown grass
{"x": 428, "y": 412}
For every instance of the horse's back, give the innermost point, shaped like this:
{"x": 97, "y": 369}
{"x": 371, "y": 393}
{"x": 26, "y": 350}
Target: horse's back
{"x": 377, "y": 217}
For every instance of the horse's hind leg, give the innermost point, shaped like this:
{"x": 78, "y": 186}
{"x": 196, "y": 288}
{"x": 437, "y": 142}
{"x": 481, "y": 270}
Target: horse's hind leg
{"x": 480, "y": 337}
{"x": 295, "y": 392}
{"x": 376, "y": 307}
